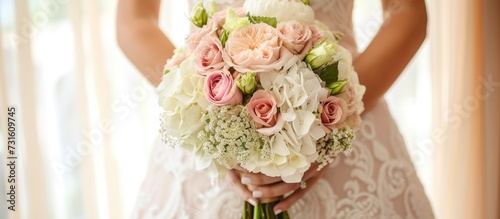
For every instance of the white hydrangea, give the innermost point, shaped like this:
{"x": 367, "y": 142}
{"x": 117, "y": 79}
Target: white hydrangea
{"x": 299, "y": 92}
{"x": 181, "y": 97}
{"x": 296, "y": 88}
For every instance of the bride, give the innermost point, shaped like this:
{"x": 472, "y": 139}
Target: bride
{"x": 377, "y": 180}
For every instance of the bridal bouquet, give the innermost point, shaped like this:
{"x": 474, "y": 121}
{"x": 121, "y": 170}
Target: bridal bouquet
{"x": 268, "y": 89}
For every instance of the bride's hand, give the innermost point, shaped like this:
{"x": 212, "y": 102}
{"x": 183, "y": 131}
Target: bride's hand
{"x": 270, "y": 187}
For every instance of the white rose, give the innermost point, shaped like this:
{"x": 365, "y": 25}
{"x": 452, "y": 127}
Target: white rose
{"x": 345, "y": 62}
{"x": 295, "y": 10}
{"x": 181, "y": 97}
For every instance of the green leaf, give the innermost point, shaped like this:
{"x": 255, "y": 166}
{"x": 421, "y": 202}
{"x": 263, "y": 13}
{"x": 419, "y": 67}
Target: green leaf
{"x": 166, "y": 71}
{"x": 223, "y": 37}
{"x": 271, "y": 21}
{"x": 330, "y": 74}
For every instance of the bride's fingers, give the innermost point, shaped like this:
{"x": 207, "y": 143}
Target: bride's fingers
{"x": 241, "y": 189}
{"x": 311, "y": 172}
{"x": 286, "y": 203}
{"x": 281, "y": 188}
{"x": 258, "y": 179}
{"x": 240, "y": 169}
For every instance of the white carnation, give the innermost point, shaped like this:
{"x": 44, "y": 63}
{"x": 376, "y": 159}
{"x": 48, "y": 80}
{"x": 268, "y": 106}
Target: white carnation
{"x": 295, "y": 10}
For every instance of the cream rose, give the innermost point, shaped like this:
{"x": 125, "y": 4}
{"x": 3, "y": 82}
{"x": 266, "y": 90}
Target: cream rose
{"x": 325, "y": 30}
{"x": 345, "y": 62}
{"x": 349, "y": 95}
{"x": 333, "y": 114}
{"x": 208, "y": 55}
{"x": 195, "y": 38}
{"x": 360, "y": 92}
{"x": 296, "y": 37}
{"x": 354, "y": 121}
{"x": 179, "y": 56}
{"x": 317, "y": 34}
{"x": 220, "y": 89}
{"x": 256, "y": 48}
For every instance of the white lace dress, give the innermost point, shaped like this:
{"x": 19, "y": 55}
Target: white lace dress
{"x": 377, "y": 180}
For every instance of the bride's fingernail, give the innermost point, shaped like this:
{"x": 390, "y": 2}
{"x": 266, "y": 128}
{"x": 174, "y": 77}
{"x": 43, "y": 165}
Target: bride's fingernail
{"x": 278, "y": 212}
{"x": 257, "y": 194}
{"x": 246, "y": 180}
{"x": 252, "y": 201}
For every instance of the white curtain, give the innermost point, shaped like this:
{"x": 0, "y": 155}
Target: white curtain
{"x": 87, "y": 120}
{"x": 466, "y": 83}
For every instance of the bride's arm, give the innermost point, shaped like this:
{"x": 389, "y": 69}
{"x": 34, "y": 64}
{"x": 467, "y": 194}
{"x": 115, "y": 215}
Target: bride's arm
{"x": 399, "y": 38}
{"x": 141, "y": 39}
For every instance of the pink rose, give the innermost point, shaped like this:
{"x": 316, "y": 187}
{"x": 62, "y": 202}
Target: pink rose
{"x": 220, "y": 89}
{"x": 208, "y": 55}
{"x": 262, "y": 108}
{"x": 317, "y": 34}
{"x": 195, "y": 38}
{"x": 256, "y": 48}
{"x": 334, "y": 112}
{"x": 176, "y": 60}
{"x": 296, "y": 37}
{"x": 349, "y": 95}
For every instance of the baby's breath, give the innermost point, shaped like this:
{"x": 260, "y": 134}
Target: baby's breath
{"x": 167, "y": 138}
{"x": 332, "y": 144}
{"x": 230, "y": 137}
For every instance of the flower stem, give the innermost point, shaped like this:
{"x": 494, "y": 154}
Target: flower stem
{"x": 262, "y": 211}
{"x": 257, "y": 212}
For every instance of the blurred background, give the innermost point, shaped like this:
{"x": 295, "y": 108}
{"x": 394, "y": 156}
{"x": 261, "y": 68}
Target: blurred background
{"x": 87, "y": 119}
